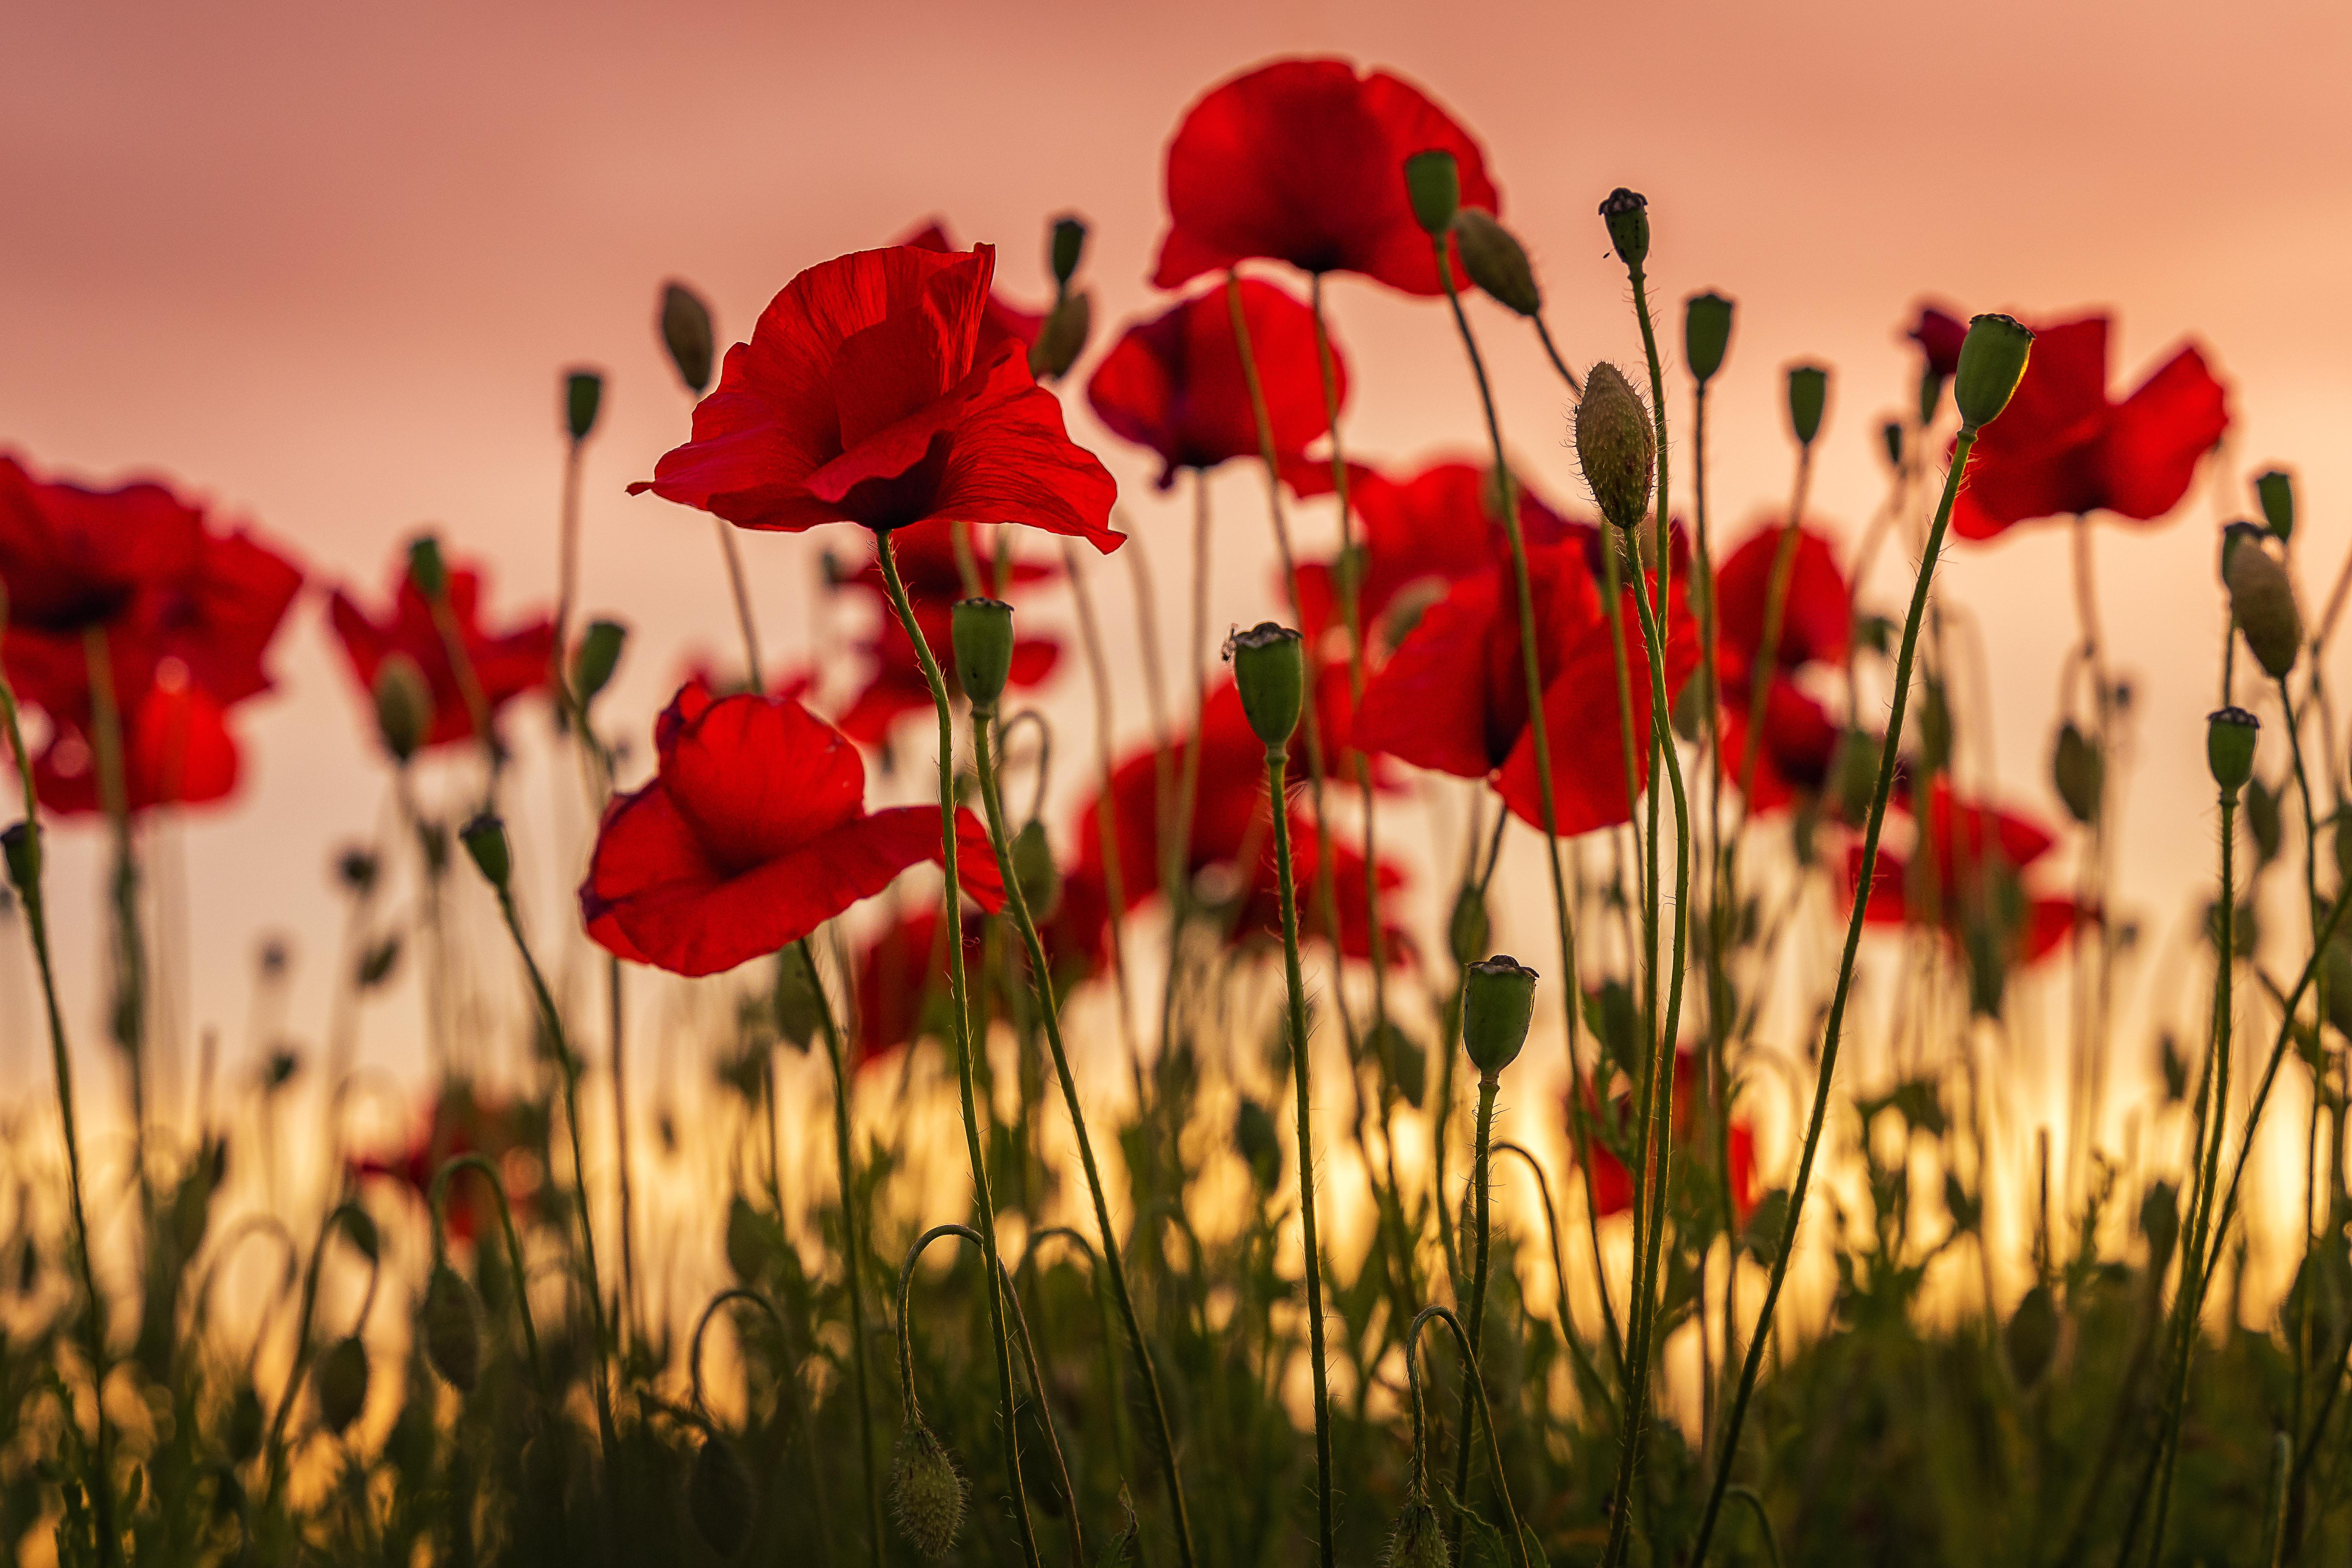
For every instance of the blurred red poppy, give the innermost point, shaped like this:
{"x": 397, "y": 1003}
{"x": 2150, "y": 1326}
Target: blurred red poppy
{"x": 506, "y": 664}
{"x": 902, "y": 984}
{"x": 862, "y": 397}
{"x": 1612, "y": 1182}
{"x": 753, "y": 833}
{"x": 1303, "y": 160}
{"x": 460, "y": 1120}
{"x": 999, "y": 323}
{"x": 177, "y": 751}
{"x": 1939, "y": 335}
{"x": 1965, "y": 879}
{"x": 1176, "y": 384}
{"x": 1800, "y": 739}
{"x": 2062, "y": 448}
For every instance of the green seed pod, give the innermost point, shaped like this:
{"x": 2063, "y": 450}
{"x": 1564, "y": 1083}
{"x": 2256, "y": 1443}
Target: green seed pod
{"x": 1065, "y": 248}
{"x": 1033, "y": 869}
{"x": 1992, "y": 362}
{"x": 2079, "y": 771}
{"x": 453, "y": 1328}
{"x": 1706, "y": 334}
{"x": 1809, "y": 396}
{"x": 2275, "y": 491}
{"x": 1615, "y": 445}
{"x": 23, "y": 844}
{"x": 1433, "y": 184}
{"x": 403, "y": 706}
{"x": 1627, "y": 213}
{"x": 584, "y": 394}
{"x": 982, "y": 631}
{"x": 340, "y": 1380}
{"x": 1418, "y": 1538}
{"x": 1496, "y": 261}
{"x": 596, "y": 657}
{"x": 426, "y": 568}
{"x": 1260, "y": 1142}
{"x": 718, "y": 1497}
{"x": 1468, "y": 928}
{"x": 1062, "y": 337}
{"x": 1270, "y": 670}
{"x": 1499, "y": 1002}
{"x": 485, "y": 838}
{"x": 927, "y": 1493}
{"x": 245, "y": 1422}
{"x": 2033, "y": 1336}
{"x": 686, "y": 333}
{"x": 2230, "y": 735}
{"x": 2261, "y": 602}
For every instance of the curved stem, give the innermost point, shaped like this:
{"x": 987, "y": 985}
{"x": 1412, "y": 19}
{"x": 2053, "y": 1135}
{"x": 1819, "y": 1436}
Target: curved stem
{"x": 436, "y": 1196}
{"x": 1567, "y": 1334}
{"x": 1476, "y": 1382}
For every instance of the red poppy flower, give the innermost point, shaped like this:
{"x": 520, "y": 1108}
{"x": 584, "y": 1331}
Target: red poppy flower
{"x": 73, "y": 557}
{"x": 460, "y": 1120}
{"x": 2062, "y": 448}
{"x": 1797, "y": 749}
{"x": 506, "y": 664}
{"x": 1303, "y": 160}
{"x": 999, "y": 323}
{"x": 861, "y": 398}
{"x": 752, "y": 833}
{"x": 902, "y": 984}
{"x": 177, "y": 751}
{"x": 1968, "y": 873}
{"x": 1176, "y": 384}
{"x": 1613, "y": 1183}
{"x": 1800, "y": 739}
{"x": 1939, "y": 335}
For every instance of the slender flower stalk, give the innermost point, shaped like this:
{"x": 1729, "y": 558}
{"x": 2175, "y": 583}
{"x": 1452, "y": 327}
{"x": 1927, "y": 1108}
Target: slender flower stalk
{"x": 1091, "y": 641}
{"x": 123, "y": 885}
{"x": 1499, "y": 1000}
{"x": 1475, "y": 1383}
{"x": 437, "y": 1201}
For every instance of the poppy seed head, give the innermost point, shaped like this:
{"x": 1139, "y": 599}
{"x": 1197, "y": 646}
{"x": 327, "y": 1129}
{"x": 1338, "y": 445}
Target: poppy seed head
{"x": 1615, "y": 445}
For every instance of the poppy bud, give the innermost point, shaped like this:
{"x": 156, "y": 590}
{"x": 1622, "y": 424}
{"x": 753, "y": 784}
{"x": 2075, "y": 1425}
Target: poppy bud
{"x": 686, "y": 333}
{"x": 2033, "y": 1336}
{"x": 452, "y": 1331}
{"x": 245, "y": 1422}
{"x": 1706, "y": 334}
{"x": 426, "y": 568}
{"x": 1271, "y": 674}
{"x": 1931, "y": 395}
{"x": 1992, "y": 362}
{"x": 1418, "y": 1539}
{"x": 1259, "y": 1141}
{"x": 2275, "y": 490}
{"x": 1496, "y": 261}
{"x": 403, "y": 706}
{"x": 1809, "y": 395}
{"x": 598, "y": 655}
{"x": 982, "y": 632}
{"x": 1069, "y": 243}
{"x": 485, "y": 840}
{"x": 2261, "y": 601}
{"x": 926, "y": 1491}
{"x": 1891, "y": 433}
{"x": 341, "y": 1383}
{"x": 23, "y": 845}
{"x": 358, "y": 1227}
{"x": 1468, "y": 927}
{"x": 1615, "y": 445}
{"x": 1063, "y": 336}
{"x": 1499, "y": 1002}
{"x": 1433, "y": 184}
{"x": 1627, "y": 213}
{"x": 1033, "y": 869}
{"x": 2230, "y": 735}
{"x": 2079, "y": 772}
{"x": 583, "y": 393}
{"x": 2159, "y": 1221}
{"x": 799, "y": 1006}
{"x": 718, "y": 1497}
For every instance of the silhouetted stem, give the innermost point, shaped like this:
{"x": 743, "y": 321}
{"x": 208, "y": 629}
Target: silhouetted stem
{"x": 436, "y": 1198}
{"x": 1475, "y": 1381}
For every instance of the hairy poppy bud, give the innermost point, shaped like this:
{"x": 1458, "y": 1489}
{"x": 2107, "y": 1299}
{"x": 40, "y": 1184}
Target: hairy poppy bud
{"x": 718, "y": 1497}
{"x": 982, "y": 630}
{"x": 1891, "y": 433}
{"x": 2261, "y": 601}
{"x": 1615, "y": 445}
{"x": 1418, "y": 1538}
{"x": 2275, "y": 490}
{"x": 1271, "y": 674}
{"x": 1068, "y": 243}
{"x": 1809, "y": 396}
{"x": 1259, "y": 1141}
{"x": 2079, "y": 772}
{"x": 426, "y": 568}
{"x": 485, "y": 840}
{"x": 453, "y": 1330}
{"x": 1992, "y": 362}
{"x": 584, "y": 394}
{"x": 2033, "y": 1336}
{"x": 341, "y": 1383}
{"x": 403, "y": 706}
{"x": 1627, "y": 213}
{"x": 1433, "y": 184}
{"x": 1033, "y": 869}
{"x": 686, "y": 333}
{"x": 927, "y": 1492}
{"x": 1496, "y": 261}
{"x": 598, "y": 655}
{"x": 2230, "y": 735}
{"x": 1499, "y": 1002}
{"x": 1706, "y": 334}
{"x": 1062, "y": 337}
{"x": 23, "y": 847}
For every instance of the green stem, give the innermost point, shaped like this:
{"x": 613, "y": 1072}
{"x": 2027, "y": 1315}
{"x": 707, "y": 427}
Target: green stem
{"x": 1481, "y": 1159}
{"x": 1475, "y": 1381}
{"x": 741, "y": 590}
{"x": 437, "y": 1198}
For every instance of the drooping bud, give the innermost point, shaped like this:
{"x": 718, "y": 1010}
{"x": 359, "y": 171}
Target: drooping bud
{"x": 426, "y": 568}
{"x": 1062, "y": 337}
{"x": 2275, "y": 491}
{"x": 1706, "y": 334}
{"x": 403, "y": 706}
{"x": 982, "y": 631}
{"x": 1067, "y": 245}
{"x": 1627, "y": 213}
{"x": 1418, "y": 1538}
{"x": 453, "y": 1328}
{"x": 1259, "y": 1141}
{"x": 1433, "y": 184}
{"x": 927, "y": 1493}
{"x": 686, "y": 332}
{"x": 22, "y": 844}
{"x": 1615, "y": 445}
{"x": 1809, "y": 396}
{"x": 359, "y": 1228}
{"x": 596, "y": 657}
{"x": 798, "y": 1004}
{"x": 584, "y": 394}
{"x": 2079, "y": 771}
{"x": 246, "y": 1421}
{"x": 1496, "y": 261}
{"x": 2261, "y": 602}
{"x": 485, "y": 838}
{"x": 1992, "y": 362}
{"x": 2229, "y": 734}
{"x": 1467, "y": 929}
{"x": 2033, "y": 1336}
{"x": 1271, "y": 673}
{"x": 1034, "y": 869}
{"x": 1499, "y": 1002}
{"x": 1891, "y": 433}
{"x": 341, "y": 1383}
{"x": 718, "y": 1497}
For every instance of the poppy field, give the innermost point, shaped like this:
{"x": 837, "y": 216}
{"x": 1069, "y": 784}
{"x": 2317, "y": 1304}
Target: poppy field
{"x": 1513, "y": 1058}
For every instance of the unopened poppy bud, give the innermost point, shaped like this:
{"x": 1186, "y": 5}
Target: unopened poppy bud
{"x": 1992, "y": 362}
{"x": 485, "y": 840}
{"x": 2079, "y": 773}
{"x": 1496, "y": 261}
{"x": 1627, "y": 213}
{"x": 1271, "y": 673}
{"x": 1068, "y": 243}
{"x": 1891, "y": 433}
{"x": 340, "y": 1380}
{"x": 1706, "y": 334}
{"x": 426, "y": 568}
{"x": 1433, "y": 184}
{"x": 1499, "y": 1002}
{"x": 246, "y": 1421}
{"x": 1034, "y": 869}
{"x": 1615, "y": 445}
{"x": 597, "y": 657}
{"x": 453, "y": 1330}
{"x": 982, "y": 630}
{"x": 686, "y": 332}
{"x": 403, "y": 706}
{"x": 2229, "y": 734}
{"x": 2261, "y": 601}
{"x": 718, "y": 1497}
{"x": 1809, "y": 396}
{"x": 1063, "y": 336}
{"x": 1931, "y": 395}
{"x": 798, "y": 1002}
{"x": 23, "y": 845}
{"x": 1259, "y": 1141}
{"x": 359, "y": 1228}
{"x": 2033, "y": 1336}
{"x": 1468, "y": 928}
{"x": 584, "y": 394}
{"x": 2275, "y": 490}
{"x": 927, "y": 1494}
{"x": 1418, "y": 1539}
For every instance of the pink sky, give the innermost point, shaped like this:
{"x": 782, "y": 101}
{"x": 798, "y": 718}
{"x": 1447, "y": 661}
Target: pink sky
{"x": 324, "y": 263}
